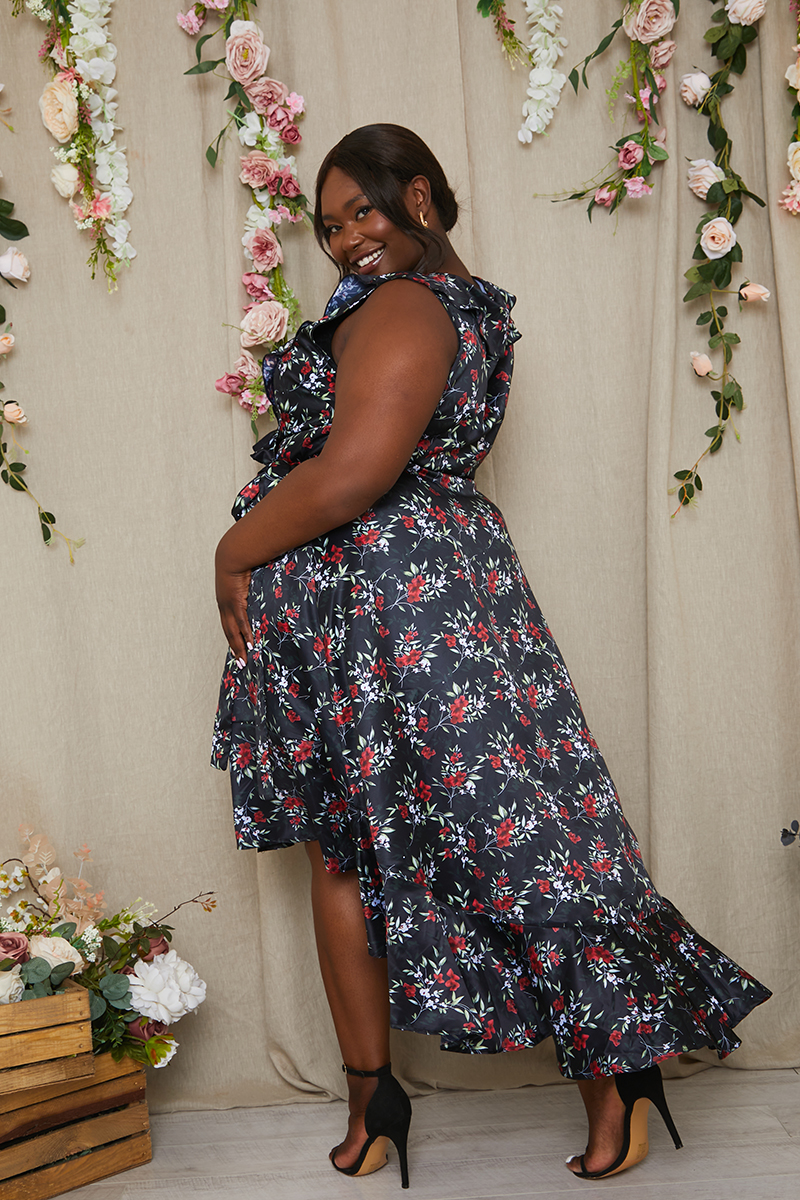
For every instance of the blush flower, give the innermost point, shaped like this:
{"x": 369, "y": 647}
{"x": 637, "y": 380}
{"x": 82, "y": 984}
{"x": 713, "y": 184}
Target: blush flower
{"x": 265, "y": 322}
{"x": 55, "y": 951}
{"x": 702, "y": 174}
{"x": 793, "y": 160}
{"x": 701, "y": 363}
{"x": 753, "y": 291}
{"x": 694, "y": 87}
{"x": 165, "y": 989}
{"x": 246, "y": 55}
{"x": 190, "y": 21}
{"x": 58, "y": 105}
{"x": 605, "y": 196}
{"x": 13, "y": 413}
{"x": 630, "y": 155}
{"x": 790, "y": 198}
{"x": 14, "y": 266}
{"x": 636, "y": 187}
{"x": 257, "y": 286}
{"x": 14, "y": 946}
{"x": 264, "y": 249}
{"x": 717, "y": 238}
{"x": 650, "y": 22}
{"x": 661, "y": 54}
{"x": 257, "y": 169}
{"x": 65, "y": 179}
{"x": 264, "y": 92}
{"x": 7, "y": 341}
{"x": 745, "y": 12}
{"x": 11, "y": 986}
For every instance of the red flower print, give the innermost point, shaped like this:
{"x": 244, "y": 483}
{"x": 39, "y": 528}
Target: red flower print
{"x": 558, "y": 1004}
{"x": 457, "y": 710}
{"x": 544, "y": 886}
{"x": 457, "y": 943}
{"x": 244, "y": 756}
{"x": 456, "y": 780}
{"x": 408, "y": 522}
{"x": 323, "y": 646}
{"x": 615, "y": 1037}
{"x": 536, "y": 963}
{"x": 366, "y": 762}
{"x": 415, "y": 588}
{"x": 367, "y": 539}
{"x": 303, "y": 751}
{"x": 410, "y": 659}
{"x": 504, "y": 832}
{"x": 495, "y": 761}
{"x": 503, "y": 903}
{"x": 409, "y": 989}
{"x": 511, "y": 1006}
{"x": 449, "y": 640}
{"x": 423, "y": 792}
{"x": 645, "y": 1029}
{"x": 602, "y": 864}
{"x": 573, "y": 837}
{"x": 452, "y": 981}
{"x": 427, "y": 751}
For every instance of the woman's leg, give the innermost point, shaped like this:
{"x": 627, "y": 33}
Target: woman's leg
{"x": 606, "y": 1114}
{"x": 356, "y": 986}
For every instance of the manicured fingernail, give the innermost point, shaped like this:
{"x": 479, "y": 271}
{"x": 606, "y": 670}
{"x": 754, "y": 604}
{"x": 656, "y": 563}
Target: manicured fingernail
{"x": 241, "y": 664}
{"x": 249, "y": 645}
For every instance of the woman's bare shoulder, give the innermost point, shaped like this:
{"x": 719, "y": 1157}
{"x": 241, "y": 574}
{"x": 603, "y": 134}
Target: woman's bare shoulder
{"x": 408, "y": 307}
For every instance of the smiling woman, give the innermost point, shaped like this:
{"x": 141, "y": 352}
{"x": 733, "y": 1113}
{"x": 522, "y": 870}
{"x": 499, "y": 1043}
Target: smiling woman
{"x": 394, "y": 699}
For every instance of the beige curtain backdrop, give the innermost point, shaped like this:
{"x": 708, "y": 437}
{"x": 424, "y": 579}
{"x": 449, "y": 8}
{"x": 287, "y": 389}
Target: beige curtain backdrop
{"x": 681, "y": 637}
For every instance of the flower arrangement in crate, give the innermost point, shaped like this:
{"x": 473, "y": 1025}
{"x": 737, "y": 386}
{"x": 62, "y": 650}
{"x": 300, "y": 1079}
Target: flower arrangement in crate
{"x": 54, "y": 929}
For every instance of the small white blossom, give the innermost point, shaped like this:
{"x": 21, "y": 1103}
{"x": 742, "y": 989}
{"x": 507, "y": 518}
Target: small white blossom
{"x": 250, "y": 129}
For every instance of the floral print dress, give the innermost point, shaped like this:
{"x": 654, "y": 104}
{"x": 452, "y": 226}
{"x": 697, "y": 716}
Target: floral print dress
{"x": 405, "y": 705}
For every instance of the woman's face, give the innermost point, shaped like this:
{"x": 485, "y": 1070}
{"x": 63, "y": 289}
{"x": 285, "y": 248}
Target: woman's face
{"x": 360, "y": 238}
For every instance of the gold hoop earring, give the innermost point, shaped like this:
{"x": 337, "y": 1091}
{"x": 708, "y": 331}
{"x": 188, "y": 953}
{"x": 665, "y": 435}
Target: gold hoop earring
{"x": 422, "y": 220}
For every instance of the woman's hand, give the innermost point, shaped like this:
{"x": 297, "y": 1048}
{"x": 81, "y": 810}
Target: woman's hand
{"x": 232, "y": 586}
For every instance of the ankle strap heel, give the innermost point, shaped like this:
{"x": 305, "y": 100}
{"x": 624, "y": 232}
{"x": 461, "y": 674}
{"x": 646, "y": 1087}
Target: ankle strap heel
{"x": 387, "y": 1117}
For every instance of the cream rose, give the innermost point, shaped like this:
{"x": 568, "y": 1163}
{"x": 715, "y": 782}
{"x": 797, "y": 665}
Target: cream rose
{"x": 13, "y": 413}
{"x": 745, "y": 12}
{"x": 58, "y": 105}
{"x": 717, "y": 238}
{"x": 793, "y": 161}
{"x": 246, "y": 56}
{"x": 793, "y": 75}
{"x": 694, "y": 87}
{"x": 11, "y": 986}
{"x": 753, "y": 291}
{"x": 65, "y": 179}
{"x": 14, "y": 265}
{"x": 652, "y": 20}
{"x": 6, "y": 342}
{"x": 702, "y": 363}
{"x": 264, "y": 322}
{"x": 55, "y": 951}
{"x": 702, "y": 174}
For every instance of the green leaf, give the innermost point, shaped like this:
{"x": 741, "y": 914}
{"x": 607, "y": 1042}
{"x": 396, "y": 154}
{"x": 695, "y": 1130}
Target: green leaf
{"x": 698, "y": 483}
{"x": 714, "y": 35}
{"x": 713, "y": 431}
{"x": 656, "y": 153}
{"x": 716, "y": 193}
{"x": 204, "y": 67}
{"x": 12, "y": 230}
{"x": 123, "y": 1002}
{"x": 574, "y": 78}
{"x": 49, "y": 519}
{"x": 708, "y": 269}
{"x": 201, "y": 42}
{"x": 736, "y": 253}
{"x": 683, "y": 475}
{"x": 739, "y": 60}
{"x": 732, "y": 339}
{"x": 15, "y": 483}
{"x": 35, "y": 970}
{"x": 40, "y": 989}
{"x": 97, "y": 1006}
{"x": 46, "y": 534}
{"x": 2, "y": 314}
{"x": 728, "y": 355}
{"x": 703, "y": 319}
{"x": 715, "y": 445}
{"x": 734, "y": 213}
{"x": 212, "y": 154}
{"x": 715, "y": 341}
{"x": 729, "y": 389}
{"x": 722, "y": 311}
{"x": 110, "y": 948}
{"x": 17, "y": 468}
{"x": 698, "y": 289}
{"x": 722, "y": 273}
{"x": 60, "y": 973}
{"x": 717, "y": 136}
{"x": 113, "y": 986}
{"x": 67, "y": 930}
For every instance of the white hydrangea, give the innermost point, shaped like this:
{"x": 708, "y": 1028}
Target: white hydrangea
{"x": 545, "y": 83}
{"x": 250, "y": 130}
{"x": 166, "y": 988}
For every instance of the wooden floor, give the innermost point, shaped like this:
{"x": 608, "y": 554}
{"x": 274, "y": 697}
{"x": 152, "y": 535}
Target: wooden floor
{"x": 741, "y": 1133}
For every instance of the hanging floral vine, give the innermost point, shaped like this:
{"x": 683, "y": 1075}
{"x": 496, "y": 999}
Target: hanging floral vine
{"x": 790, "y": 198}
{"x": 718, "y": 249}
{"x": 542, "y": 53}
{"x": 79, "y": 109}
{"x": 265, "y": 114}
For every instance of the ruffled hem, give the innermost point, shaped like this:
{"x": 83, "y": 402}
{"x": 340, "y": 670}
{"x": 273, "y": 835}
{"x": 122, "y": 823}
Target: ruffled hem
{"x": 614, "y": 997}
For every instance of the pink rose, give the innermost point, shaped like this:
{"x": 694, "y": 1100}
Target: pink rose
{"x": 661, "y": 54}
{"x": 717, "y": 238}
{"x": 157, "y": 946}
{"x": 702, "y": 174}
{"x": 661, "y": 137}
{"x": 745, "y": 12}
{"x": 13, "y": 413}
{"x": 636, "y": 187}
{"x": 605, "y": 196}
{"x": 264, "y": 322}
{"x": 229, "y": 384}
{"x": 264, "y": 92}
{"x": 790, "y": 198}
{"x": 630, "y": 156}
{"x": 278, "y": 117}
{"x": 257, "y": 286}
{"x": 289, "y": 185}
{"x": 650, "y": 22}
{"x": 753, "y": 291}
{"x": 265, "y": 249}
{"x": 6, "y": 343}
{"x": 101, "y": 208}
{"x": 147, "y": 1029}
{"x": 295, "y": 103}
{"x": 258, "y": 169}
{"x": 694, "y": 88}
{"x": 246, "y": 56}
{"x": 702, "y": 363}
{"x": 247, "y": 368}
{"x": 14, "y": 946}
{"x": 291, "y": 135}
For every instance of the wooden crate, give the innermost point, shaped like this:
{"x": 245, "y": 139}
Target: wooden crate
{"x": 44, "y": 1041}
{"x": 56, "y": 1138}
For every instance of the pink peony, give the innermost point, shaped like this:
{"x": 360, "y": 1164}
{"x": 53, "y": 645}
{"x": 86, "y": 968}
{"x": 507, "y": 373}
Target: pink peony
{"x": 605, "y": 196}
{"x": 636, "y": 187}
{"x": 257, "y": 286}
{"x": 246, "y": 56}
{"x": 278, "y": 117}
{"x": 265, "y": 249}
{"x": 650, "y": 22}
{"x": 248, "y": 368}
{"x": 661, "y": 54}
{"x": 190, "y": 21}
{"x": 702, "y": 363}
{"x": 264, "y": 322}
{"x": 14, "y": 946}
{"x": 258, "y": 169}
{"x": 291, "y": 135}
{"x": 630, "y": 156}
{"x": 264, "y": 92}
{"x": 101, "y": 208}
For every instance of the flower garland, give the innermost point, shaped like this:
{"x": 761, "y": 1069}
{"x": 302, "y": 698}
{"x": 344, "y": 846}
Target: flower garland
{"x": 14, "y": 269}
{"x": 79, "y": 108}
{"x": 542, "y": 53}
{"x": 647, "y": 24}
{"x": 265, "y": 114}
{"x": 718, "y": 248}
{"x": 138, "y": 987}
{"x": 790, "y": 198}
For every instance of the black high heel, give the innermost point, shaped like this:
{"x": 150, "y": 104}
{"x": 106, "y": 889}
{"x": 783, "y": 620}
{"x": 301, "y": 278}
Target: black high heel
{"x": 636, "y": 1090}
{"x": 387, "y": 1118}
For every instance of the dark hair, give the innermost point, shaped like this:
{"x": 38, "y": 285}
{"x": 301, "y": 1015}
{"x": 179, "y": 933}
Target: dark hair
{"x": 383, "y": 159}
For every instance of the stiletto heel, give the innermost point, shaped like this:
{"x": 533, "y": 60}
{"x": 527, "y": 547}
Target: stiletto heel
{"x": 636, "y": 1090}
{"x": 387, "y": 1119}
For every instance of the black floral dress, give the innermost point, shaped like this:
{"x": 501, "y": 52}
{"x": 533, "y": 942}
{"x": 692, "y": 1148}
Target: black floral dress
{"x": 406, "y": 706}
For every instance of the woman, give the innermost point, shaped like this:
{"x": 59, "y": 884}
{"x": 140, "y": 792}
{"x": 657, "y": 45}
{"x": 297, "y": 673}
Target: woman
{"x": 394, "y": 699}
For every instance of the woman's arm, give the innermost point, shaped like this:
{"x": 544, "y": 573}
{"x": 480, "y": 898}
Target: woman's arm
{"x": 391, "y": 373}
